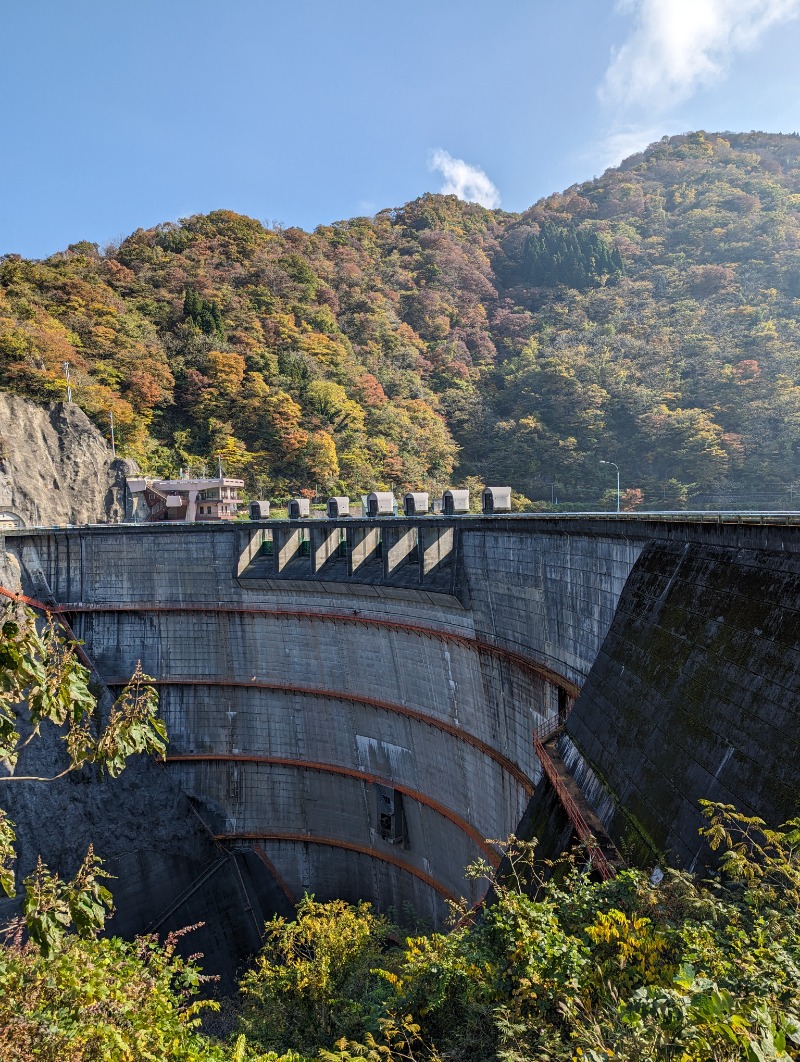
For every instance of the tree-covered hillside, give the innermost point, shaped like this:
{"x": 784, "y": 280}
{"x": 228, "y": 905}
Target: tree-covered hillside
{"x": 649, "y": 318}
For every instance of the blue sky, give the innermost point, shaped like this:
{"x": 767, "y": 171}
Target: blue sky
{"x": 117, "y": 115}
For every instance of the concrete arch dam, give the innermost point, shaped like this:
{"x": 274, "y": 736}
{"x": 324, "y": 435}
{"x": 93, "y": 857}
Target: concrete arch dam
{"x": 352, "y": 704}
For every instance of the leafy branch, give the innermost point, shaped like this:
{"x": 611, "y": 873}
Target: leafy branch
{"x": 43, "y": 681}
{"x": 41, "y": 673}
{"x": 52, "y": 905}
{"x": 765, "y": 861}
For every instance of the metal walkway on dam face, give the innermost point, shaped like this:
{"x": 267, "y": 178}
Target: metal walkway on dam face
{"x": 442, "y": 654}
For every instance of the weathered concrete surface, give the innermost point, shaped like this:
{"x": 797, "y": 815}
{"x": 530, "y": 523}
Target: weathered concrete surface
{"x": 316, "y": 696}
{"x": 550, "y": 594}
{"x": 694, "y": 695}
{"x": 55, "y": 466}
{"x": 293, "y": 693}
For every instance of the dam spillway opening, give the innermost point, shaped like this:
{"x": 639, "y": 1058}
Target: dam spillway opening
{"x": 356, "y": 722}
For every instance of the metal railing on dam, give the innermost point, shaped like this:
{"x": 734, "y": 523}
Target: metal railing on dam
{"x": 777, "y": 517}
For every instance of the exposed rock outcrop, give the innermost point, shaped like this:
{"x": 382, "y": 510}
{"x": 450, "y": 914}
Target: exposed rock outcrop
{"x": 10, "y": 574}
{"x": 56, "y": 467}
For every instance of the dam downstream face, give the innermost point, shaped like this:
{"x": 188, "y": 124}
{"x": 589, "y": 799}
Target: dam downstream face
{"x": 354, "y": 734}
{"x": 333, "y": 745}
{"x": 352, "y": 705}
{"x": 367, "y": 756}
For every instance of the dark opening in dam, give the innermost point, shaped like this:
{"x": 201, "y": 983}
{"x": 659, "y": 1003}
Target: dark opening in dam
{"x": 356, "y": 722}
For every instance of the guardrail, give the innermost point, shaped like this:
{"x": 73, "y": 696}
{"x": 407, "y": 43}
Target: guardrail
{"x": 688, "y": 516}
{"x": 774, "y": 518}
{"x": 579, "y": 824}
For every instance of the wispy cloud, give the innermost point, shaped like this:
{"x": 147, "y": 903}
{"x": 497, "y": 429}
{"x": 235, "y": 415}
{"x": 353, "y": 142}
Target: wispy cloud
{"x": 626, "y": 140}
{"x": 466, "y": 181}
{"x": 678, "y": 46}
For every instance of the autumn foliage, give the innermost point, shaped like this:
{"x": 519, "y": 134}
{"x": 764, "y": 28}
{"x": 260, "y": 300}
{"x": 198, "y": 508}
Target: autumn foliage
{"x": 648, "y": 317}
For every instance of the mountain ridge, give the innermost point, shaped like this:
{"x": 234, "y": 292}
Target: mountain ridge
{"x": 648, "y": 317}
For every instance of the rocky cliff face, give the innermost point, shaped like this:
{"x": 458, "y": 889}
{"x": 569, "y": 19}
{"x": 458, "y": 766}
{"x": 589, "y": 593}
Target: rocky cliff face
{"x": 56, "y": 467}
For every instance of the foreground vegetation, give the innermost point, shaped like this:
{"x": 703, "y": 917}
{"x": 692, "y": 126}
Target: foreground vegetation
{"x": 556, "y": 967}
{"x": 648, "y": 317}
{"x": 563, "y": 968}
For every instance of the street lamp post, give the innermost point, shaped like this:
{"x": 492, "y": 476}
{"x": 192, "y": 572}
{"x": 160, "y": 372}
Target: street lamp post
{"x": 617, "y": 468}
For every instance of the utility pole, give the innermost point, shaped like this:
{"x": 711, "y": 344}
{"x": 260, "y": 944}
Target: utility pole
{"x": 617, "y": 468}
{"x": 113, "y": 444}
{"x": 69, "y": 384}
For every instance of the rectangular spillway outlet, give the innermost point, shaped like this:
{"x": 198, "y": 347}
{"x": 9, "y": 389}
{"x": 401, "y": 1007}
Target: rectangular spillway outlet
{"x": 399, "y": 546}
{"x": 437, "y": 548}
{"x": 363, "y": 546}
{"x": 287, "y": 546}
{"x": 324, "y": 545}
{"x": 390, "y": 815}
{"x": 251, "y": 548}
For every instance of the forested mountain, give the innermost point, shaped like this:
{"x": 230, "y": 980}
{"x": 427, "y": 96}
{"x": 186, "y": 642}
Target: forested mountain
{"x": 649, "y": 318}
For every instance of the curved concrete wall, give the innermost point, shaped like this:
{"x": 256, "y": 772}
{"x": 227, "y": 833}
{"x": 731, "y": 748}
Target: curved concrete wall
{"x": 547, "y": 590}
{"x": 428, "y": 716}
{"x": 296, "y": 680}
{"x": 292, "y": 695}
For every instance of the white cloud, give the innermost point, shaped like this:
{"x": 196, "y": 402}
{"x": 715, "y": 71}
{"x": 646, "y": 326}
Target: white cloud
{"x": 677, "y": 46}
{"x": 466, "y": 181}
{"x": 627, "y": 140}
